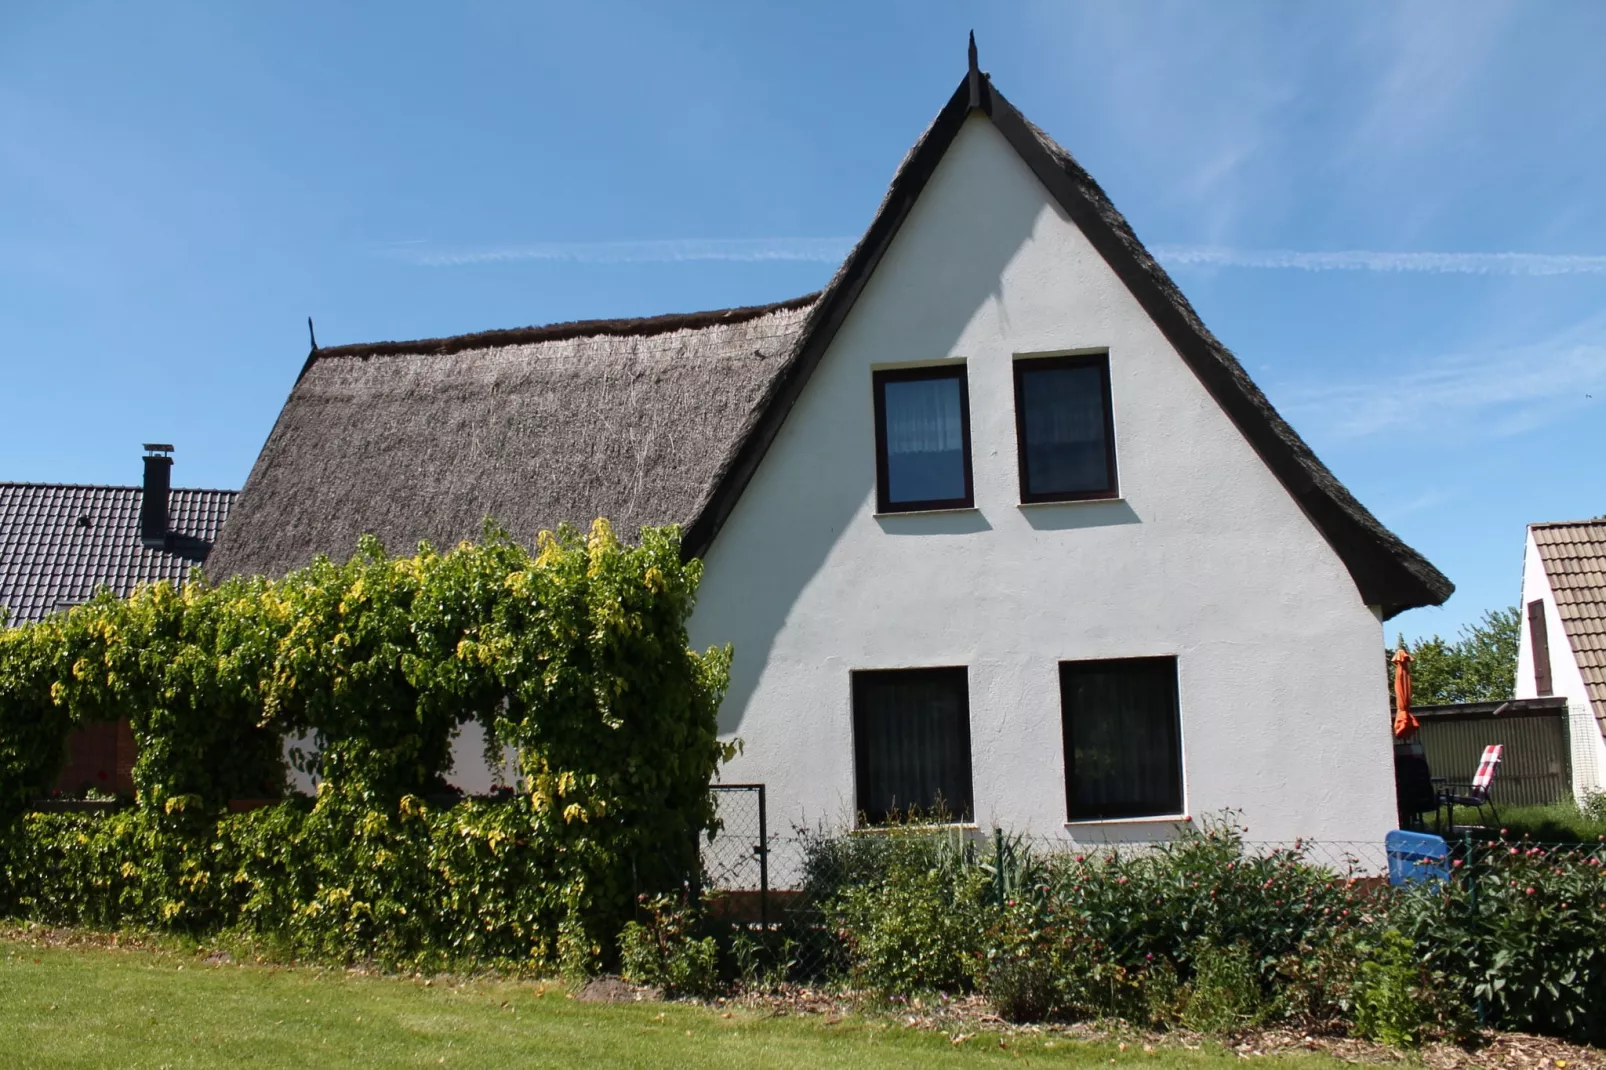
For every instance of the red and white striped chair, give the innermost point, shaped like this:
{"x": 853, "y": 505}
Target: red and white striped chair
{"x": 1476, "y": 794}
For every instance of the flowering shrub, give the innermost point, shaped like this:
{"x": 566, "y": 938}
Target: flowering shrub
{"x": 1203, "y": 891}
{"x": 1203, "y": 933}
{"x": 1524, "y": 930}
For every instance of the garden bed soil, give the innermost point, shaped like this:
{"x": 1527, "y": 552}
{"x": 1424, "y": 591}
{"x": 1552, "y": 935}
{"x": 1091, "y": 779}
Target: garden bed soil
{"x": 965, "y": 1018}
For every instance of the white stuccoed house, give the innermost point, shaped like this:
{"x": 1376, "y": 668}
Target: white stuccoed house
{"x": 993, "y": 521}
{"x": 1562, "y": 649}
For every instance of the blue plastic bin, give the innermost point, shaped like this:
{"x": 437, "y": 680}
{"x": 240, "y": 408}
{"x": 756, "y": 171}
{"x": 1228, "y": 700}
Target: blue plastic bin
{"x": 1416, "y": 856}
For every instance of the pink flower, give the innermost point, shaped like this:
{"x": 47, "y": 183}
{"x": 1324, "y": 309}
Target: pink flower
{"x": 1530, "y": 891}
{"x": 1456, "y": 864}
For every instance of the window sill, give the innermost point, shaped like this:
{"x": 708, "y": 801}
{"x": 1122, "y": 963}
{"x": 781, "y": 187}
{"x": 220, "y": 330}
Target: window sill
{"x": 1162, "y": 819}
{"x": 927, "y": 512}
{"x": 893, "y": 830}
{"x": 1071, "y": 501}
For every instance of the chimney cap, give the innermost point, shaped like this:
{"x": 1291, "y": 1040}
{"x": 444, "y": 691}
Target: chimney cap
{"x": 158, "y": 447}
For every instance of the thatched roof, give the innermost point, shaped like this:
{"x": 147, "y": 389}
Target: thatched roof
{"x": 626, "y": 419}
{"x": 423, "y": 439}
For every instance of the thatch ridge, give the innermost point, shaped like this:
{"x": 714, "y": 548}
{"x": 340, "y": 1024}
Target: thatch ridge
{"x": 642, "y": 326}
{"x": 532, "y": 428}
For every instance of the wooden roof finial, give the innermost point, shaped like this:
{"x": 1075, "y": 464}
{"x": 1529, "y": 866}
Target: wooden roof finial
{"x": 975, "y": 74}
{"x": 312, "y": 335}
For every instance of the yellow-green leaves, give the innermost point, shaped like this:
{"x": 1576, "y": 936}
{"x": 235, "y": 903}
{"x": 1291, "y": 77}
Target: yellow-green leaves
{"x": 576, "y": 656}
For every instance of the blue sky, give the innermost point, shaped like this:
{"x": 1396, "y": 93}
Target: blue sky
{"x": 1393, "y": 212}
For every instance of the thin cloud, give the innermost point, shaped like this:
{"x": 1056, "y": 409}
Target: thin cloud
{"x": 1364, "y": 260}
{"x": 738, "y": 250}
{"x": 1497, "y": 393}
{"x": 834, "y": 250}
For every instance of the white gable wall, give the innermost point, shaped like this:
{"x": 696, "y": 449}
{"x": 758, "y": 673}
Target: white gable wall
{"x": 1283, "y": 699}
{"x": 1588, "y": 747}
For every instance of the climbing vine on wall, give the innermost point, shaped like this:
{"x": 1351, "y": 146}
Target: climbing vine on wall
{"x": 575, "y": 654}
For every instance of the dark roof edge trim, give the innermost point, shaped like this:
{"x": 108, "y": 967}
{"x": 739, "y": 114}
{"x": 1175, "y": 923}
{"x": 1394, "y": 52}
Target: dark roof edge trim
{"x": 1387, "y": 573}
{"x": 1511, "y": 707}
{"x": 644, "y": 326}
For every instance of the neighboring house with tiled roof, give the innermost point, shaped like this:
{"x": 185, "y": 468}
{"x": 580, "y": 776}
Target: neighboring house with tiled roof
{"x": 1563, "y": 645}
{"x": 993, "y": 520}
{"x": 60, "y": 542}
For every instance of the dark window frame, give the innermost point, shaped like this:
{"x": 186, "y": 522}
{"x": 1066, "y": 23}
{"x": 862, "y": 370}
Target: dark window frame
{"x": 963, "y": 809}
{"x": 1029, "y": 364}
{"x": 1131, "y": 812}
{"x": 879, "y": 379}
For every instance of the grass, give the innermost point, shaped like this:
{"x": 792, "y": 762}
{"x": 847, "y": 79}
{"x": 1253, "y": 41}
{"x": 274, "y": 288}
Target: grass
{"x": 1560, "y": 822}
{"x": 93, "y": 1006}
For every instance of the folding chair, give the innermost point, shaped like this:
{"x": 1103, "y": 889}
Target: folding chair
{"x": 1476, "y": 794}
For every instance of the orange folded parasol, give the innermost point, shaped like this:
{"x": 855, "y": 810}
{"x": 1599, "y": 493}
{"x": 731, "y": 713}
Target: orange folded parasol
{"x": 1405, "y": 723}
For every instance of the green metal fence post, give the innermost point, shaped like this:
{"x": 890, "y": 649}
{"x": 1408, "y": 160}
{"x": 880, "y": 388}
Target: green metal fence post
{"x": 998, "y": 865}
{"x": 1471, "y": 866}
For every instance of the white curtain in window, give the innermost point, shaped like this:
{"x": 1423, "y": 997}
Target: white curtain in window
{"x": 923, "y": 416}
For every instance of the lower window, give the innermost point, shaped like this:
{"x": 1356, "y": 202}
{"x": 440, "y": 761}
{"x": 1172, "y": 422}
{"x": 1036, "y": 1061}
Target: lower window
{"x": 911, "y": 743}
{"x": 1123, "y": 738}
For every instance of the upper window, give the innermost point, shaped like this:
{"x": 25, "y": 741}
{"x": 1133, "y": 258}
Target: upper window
{"x": 922, "y": 426}
{"x": 1123, "y": 738}
{"x": 911, "y": 743}
{"x": 1064, "y": 428}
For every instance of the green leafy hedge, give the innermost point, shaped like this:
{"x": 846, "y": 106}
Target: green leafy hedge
{"x": 576, "y": 655}
{"x": 1208, "y": 934}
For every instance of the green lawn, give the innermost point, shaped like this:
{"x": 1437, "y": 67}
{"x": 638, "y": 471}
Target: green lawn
{"x": 1560, "y": 822}
{"x": 96, "y": 1007}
